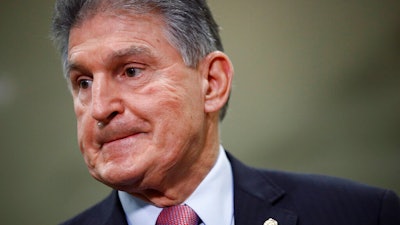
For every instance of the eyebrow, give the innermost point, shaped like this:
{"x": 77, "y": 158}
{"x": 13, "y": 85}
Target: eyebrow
{"x": 141, "y": 52}
{"x": 130, "y": 51}
{"x": 133, "y": 50}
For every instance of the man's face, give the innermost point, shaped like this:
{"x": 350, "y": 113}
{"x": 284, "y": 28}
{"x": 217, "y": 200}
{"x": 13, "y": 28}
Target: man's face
{"x": 124, "y": 73}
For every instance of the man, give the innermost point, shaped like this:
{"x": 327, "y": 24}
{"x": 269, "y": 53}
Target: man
{"x": 150, "y": 85}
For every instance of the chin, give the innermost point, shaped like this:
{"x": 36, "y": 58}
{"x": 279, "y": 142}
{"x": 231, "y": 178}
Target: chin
{"x": 117, "y": 178}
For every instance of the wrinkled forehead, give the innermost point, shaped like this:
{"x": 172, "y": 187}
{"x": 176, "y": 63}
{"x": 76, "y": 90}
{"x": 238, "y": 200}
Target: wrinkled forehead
{"x": 112, "y": 26}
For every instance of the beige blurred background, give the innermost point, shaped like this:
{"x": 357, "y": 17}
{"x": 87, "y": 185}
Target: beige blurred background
{"x": 316, "y": 90}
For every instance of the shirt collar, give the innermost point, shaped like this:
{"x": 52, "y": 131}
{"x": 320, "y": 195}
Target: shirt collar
{"x": 212, "y": 200}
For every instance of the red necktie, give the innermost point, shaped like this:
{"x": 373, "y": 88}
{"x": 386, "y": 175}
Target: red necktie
{"x": 178, "y": 215}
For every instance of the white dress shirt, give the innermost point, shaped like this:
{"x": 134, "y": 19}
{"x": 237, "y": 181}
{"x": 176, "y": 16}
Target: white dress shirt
{"x": 212, "y": 200}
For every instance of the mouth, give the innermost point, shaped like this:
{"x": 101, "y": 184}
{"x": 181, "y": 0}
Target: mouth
{"x": 126, "y": 142}
{"x": 123, "y": 140}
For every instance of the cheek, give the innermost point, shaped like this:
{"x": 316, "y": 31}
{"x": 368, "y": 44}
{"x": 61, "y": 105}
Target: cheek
{"x": 81, "y": 136}
{"x": 172, "y": 108}
{"x": 82, "y": 111}
{"x": 179, "y": 113}
{"x": 161, "y": 98}
{"x": 180, "y": 96}
{"x": 78, "y": 108}
{"x": 82, "y": 123}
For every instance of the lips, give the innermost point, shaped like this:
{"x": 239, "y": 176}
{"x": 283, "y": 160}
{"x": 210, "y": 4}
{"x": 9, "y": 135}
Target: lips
{"x": 111, "y": 137}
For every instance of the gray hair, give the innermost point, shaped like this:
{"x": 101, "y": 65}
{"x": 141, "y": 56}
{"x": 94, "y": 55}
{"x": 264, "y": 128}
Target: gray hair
{"x": 190, "y": 26}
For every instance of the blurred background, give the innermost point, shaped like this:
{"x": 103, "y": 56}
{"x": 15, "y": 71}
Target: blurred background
{"x": 316, "y": 90}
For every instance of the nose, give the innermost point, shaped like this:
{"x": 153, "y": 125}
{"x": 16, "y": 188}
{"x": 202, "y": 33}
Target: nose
{"x": 106, "y": 100}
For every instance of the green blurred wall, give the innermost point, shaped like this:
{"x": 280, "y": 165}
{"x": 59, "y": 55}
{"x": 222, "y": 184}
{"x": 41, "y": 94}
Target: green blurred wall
{"x": 316, "y": 90}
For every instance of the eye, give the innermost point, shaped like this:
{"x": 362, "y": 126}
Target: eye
{"x": 132, "y": 71}
{"x": 84, "y": 83}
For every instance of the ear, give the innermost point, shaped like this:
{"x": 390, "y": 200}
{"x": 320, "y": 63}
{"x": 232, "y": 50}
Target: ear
{"x": 217, "y": 72}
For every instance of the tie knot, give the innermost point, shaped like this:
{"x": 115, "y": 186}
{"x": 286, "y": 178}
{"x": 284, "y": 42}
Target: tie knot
{"x": 178, "y": 215}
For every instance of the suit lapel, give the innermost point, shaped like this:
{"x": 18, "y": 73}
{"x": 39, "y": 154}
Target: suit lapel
{"x": 255, "y": 197}
{"x": 111, "y": 210}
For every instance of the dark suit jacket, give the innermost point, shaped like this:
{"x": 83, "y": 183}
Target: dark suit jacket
{"x": 286, "y": 197}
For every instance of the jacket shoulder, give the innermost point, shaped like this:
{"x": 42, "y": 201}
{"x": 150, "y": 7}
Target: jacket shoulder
{"x": 109, "y": 209}
{"x": 337, "y": 198}
{"x": 315, "y": 199}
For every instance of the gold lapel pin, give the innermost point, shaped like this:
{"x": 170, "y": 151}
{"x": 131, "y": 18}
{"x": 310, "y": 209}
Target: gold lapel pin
{"x": 271, "y": 221}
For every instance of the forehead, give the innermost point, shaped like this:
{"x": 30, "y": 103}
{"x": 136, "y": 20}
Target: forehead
{"x": 104, "y": 33}
{"x": 116, "y": 26}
